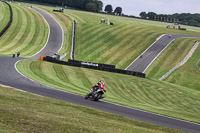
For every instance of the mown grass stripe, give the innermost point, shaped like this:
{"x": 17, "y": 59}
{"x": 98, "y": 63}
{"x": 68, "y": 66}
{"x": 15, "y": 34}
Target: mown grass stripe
{"x": 76, "y": 18}
{"x": 27, "y": 42}
{"x": 66, "y": 24}
{"x": 4, "y": 15}
{"x": 112, "y": 45}
{"x": 173, "y": 54}
{"x": 29, "y": 113}
{"x": 13, "y": 30}
{"x": 159, "y": 97}
{"x": 94, "y": 50}
{"x": 119, "y": 50}
{"x": 100, "y": 33}
{"x": 18, "y": 34}
{"x": 2, "y": 11}
{"x": 27, "y": 33}
{"x": 25, "y": 30}
{"x": 98, "y": 30}
{"x": 36, "y": 42}
{"x": 124, "y": 86}
{"x": 60, "y": 73}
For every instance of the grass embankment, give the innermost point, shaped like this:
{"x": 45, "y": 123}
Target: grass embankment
{"x": 24, "y": 112}
{"x": 119, "y": 44}
{"x": 154, "y": 96}
{"x": 189, "y": 74}
{"x": 170, "y": 57}
{"x": 27, "y": 34}
{"x": 4, "y": 15}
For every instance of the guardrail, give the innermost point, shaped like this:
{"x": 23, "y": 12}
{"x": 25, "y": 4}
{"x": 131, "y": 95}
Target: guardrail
{"x": 73, "y": 40}
{"x": 10, "y": 21}
{"x": 96, "y": 66}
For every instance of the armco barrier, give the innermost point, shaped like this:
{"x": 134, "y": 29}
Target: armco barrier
{"x": 73, "y": 40}
{"x": 10, "y": 21}
{"x": 96, "y": 66}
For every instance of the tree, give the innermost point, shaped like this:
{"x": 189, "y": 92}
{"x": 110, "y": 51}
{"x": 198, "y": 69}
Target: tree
{"x": 91, "y": 7}
{"x": 151, "y": 15}
{"x": 78, "y": 4}
{"x": 108, "y": 9}
{"x": 118, "y": 11}
{"x": 99, "y": 4}
{"x": 143, "y": 15}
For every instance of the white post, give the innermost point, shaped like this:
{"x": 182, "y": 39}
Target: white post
{"x": 108, "y": 21}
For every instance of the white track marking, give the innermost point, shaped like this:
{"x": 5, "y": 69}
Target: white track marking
{"x": 102, "y": 100}
{"x": 145, "y": 50}
{"x": 157, "y": 56}
{"x": 49, "y": 32}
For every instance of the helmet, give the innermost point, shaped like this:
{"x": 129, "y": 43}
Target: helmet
{"x": 101, "y": 83}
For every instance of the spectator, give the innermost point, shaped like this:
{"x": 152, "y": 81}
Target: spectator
{"x": 18, "y": 53}
{"x": 14, "y": 55}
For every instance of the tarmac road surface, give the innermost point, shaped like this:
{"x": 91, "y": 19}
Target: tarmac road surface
{"x": 55, "y": 38}
{"x": 11, "y": 77}
{"x": 147, "y": 57}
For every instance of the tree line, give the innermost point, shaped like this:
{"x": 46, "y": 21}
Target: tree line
{"x": 89, "y": 5}
{"x": 109, "y": 9}
{"x": 183, "y": 18}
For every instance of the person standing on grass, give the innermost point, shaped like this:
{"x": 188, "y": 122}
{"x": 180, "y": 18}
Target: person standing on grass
{"x": 18, "y": 53}
{"x": 14, "y": 55}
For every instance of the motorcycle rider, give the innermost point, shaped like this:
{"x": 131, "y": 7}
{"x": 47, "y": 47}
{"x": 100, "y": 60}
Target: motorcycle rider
{"x": 100, "y": 84}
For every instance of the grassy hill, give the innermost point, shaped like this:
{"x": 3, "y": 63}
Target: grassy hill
{"x": 27, "y": 34}
{"x": 150, "y": 95}
{"x": 189, "y": 74}
{"x": 24, "y": 112}
{"x": 119, "y": 44}
{"x": 4, "y": 15}
{"x": 170, "y": 57}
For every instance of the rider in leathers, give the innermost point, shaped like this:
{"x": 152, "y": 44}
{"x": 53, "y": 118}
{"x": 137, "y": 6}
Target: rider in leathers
{"x": 100, "y": 84}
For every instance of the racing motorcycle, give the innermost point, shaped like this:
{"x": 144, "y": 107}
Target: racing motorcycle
{"x": 95, "y": 94}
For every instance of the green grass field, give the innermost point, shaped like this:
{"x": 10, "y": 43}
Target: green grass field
{"x": 189, "y": 74}
{"x": 4, "y": 15}
{"x": 170, "y": 57}
{"x": 150, "y": 95}
{"x": 24, "y": 112}
{"x": 27, "y": 34}
{"x": 119, "y": 44}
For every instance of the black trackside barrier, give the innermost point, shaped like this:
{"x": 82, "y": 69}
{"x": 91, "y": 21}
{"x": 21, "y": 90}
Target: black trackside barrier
{"x": 10, "y": 21}
{"x": 83, "y": 63}
{"x": 96, "y": 66}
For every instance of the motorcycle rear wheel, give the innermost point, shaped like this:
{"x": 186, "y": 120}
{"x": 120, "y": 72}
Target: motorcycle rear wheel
{"x": 97, "y": 97}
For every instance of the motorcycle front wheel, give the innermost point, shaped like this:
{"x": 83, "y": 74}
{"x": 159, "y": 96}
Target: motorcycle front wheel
{"x": 87, "y": 96}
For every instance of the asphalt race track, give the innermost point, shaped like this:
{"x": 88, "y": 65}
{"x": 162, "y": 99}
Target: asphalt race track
{"x": 55, "y": 38}
{"x": 10, "y": 77}
{"x": 148, "y": 56}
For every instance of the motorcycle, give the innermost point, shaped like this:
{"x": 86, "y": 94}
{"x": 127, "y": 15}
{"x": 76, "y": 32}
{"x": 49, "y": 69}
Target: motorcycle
{"x": 95, "y": 94}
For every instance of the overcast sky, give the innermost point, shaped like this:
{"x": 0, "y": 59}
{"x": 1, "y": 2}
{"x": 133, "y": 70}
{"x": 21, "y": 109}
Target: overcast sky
{"x": 134, "y": 7}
